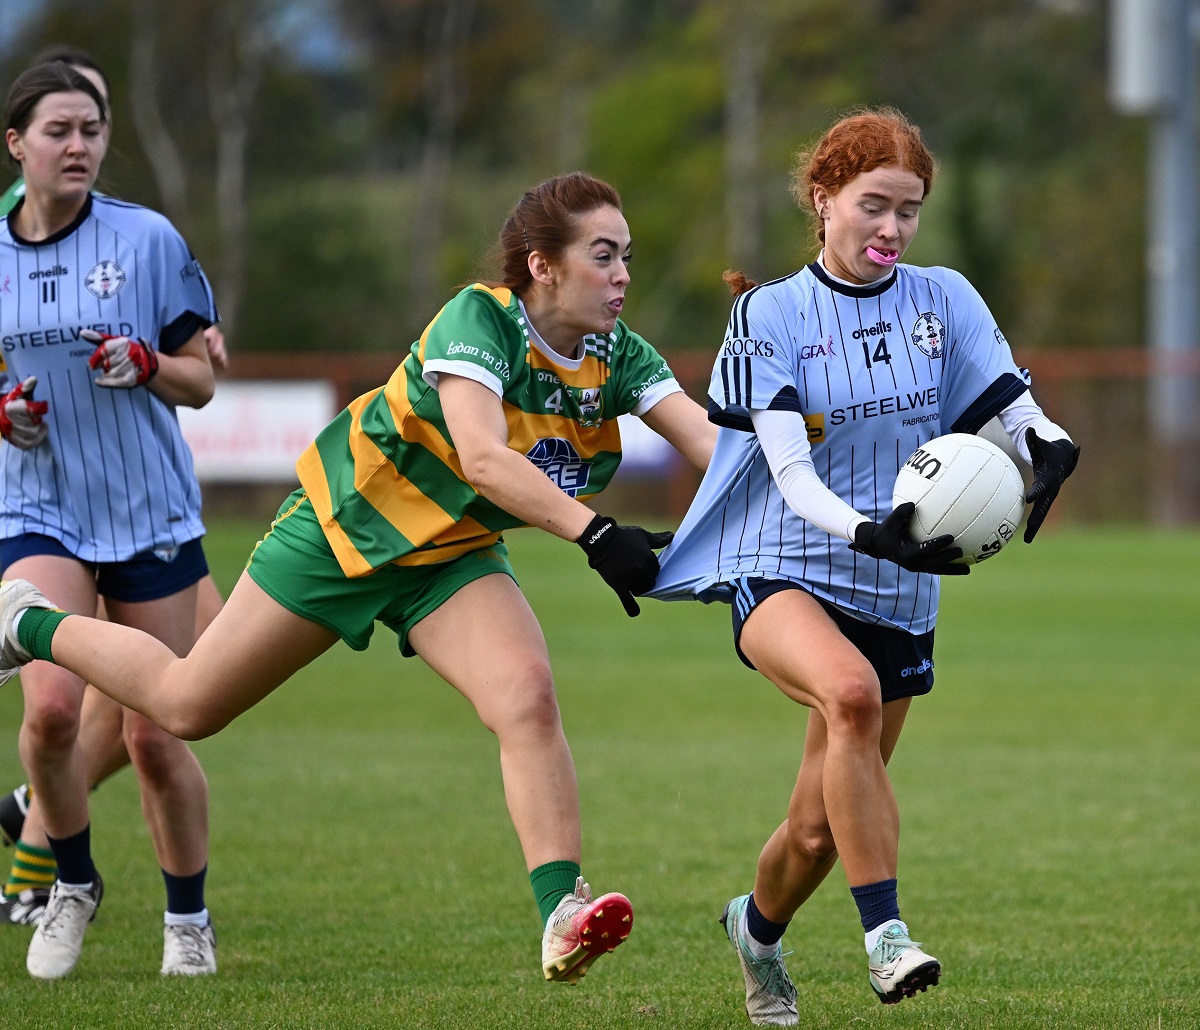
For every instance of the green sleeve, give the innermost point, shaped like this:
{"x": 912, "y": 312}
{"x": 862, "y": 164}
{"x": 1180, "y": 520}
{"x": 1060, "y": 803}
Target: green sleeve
{"x": 8, "y": 200}
{"x": 637, "y": 367}
{"x": 476, "y": 328}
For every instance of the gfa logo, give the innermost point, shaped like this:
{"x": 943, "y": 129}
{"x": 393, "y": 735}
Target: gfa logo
{"x": 818, "y": 350}
{"x": 562, "y": 464}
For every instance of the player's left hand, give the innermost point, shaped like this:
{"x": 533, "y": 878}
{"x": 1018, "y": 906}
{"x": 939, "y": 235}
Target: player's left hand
{"x": 126, "y": 363}
{"x": 1053, "y": 461}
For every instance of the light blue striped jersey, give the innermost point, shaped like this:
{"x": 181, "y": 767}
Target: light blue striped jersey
{"x": 114, "y": 477}
{"x": 876, "y": 371}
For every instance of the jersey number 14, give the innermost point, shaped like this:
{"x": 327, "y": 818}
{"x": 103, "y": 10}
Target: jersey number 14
{"x": 879, "y": 354}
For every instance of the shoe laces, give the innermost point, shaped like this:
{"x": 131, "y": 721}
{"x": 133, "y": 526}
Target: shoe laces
{"x": 572, "y": 904}
{"x": 776, "y": 980}
{"x": 59, "y": 908}
{"x": 190, "y": 943}
{"x": 893, "y": 944}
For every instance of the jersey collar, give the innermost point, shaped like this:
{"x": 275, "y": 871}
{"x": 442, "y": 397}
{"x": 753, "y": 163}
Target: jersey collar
{"x": 848, "y": 289}
{"x": 62, "y": 233}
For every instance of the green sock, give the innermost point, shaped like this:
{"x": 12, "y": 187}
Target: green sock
{"x": 551, "y": 883}
{"x": 36, "y": 628}
{"x": 31, "y": 867}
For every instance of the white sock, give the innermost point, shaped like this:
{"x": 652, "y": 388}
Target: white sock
{"x": 871, "y": 938}
{"x": 757, "y": 948}
{"x": 186, "y": 919}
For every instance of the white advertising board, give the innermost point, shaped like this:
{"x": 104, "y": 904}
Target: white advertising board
{"x": 253, "y": 431}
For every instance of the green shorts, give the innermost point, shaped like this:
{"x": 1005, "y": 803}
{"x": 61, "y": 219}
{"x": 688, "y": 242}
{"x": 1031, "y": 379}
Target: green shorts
{"x": 296, "y": 566}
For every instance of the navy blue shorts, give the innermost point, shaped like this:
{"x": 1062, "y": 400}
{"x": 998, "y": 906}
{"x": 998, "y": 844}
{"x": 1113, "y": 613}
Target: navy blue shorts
{"x": 144, "y": 577}
{"x": 902, "y": 661}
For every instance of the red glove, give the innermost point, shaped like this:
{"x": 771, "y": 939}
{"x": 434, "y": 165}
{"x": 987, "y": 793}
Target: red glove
{"x": 21, "y": 416}
{"x": 127, "y": 363}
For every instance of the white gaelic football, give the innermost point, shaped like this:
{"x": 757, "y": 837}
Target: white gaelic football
{"x": 964, "y": 486}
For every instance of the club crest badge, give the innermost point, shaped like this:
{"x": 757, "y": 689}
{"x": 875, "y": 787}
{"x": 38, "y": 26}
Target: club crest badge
{"x": 929, "y": 335}
{"x": 105, "y": 279}
{"x": 590, "y": 406}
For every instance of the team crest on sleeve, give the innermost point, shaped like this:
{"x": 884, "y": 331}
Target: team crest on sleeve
{"x": 562, "y": 464}
{"x": 105, "y": 279}
{"x": 929, "y": 334}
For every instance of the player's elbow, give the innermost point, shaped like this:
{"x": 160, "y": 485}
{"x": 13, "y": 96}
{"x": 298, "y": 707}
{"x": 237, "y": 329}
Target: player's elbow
{"x": 482, "y": 470}
{"x": 202, "y": 393}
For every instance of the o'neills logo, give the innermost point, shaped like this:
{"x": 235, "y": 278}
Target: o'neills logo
{"x": 878, "y": 329}
{"x": 48, "y": 273}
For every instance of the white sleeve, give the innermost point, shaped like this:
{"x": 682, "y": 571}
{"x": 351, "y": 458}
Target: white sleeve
{"x": 1024, "y": 413}
{"x": 784, "y": 441}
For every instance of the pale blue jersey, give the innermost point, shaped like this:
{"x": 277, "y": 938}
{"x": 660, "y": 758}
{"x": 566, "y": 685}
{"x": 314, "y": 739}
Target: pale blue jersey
{"x": 114, "y": 477}
{"x": 876, "y": 371}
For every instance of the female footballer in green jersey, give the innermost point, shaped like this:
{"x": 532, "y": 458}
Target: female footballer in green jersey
{"x": 504, "y": 413}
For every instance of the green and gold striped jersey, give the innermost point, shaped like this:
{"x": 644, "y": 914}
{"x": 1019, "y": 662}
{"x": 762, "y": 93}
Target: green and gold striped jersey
{"x": 384, "y": 478}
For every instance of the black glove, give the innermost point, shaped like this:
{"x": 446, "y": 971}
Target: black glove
{"x": 1053, "y": 461}
{"x": 889, "y": 540}
{"x": 623, "y": 556}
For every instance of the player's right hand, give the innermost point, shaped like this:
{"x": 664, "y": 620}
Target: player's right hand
{"x": 21, "y": 416}
{"x": 624, "y": 556}
{"x": 890, "y": 540}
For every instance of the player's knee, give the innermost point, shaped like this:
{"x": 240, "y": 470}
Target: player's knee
{"x": 854, "y": 705}
{"x": 188, "y": 719}
{"x": 51, "y": 723}
{"x": 154, "y": 751}
{"x": 525, "y": 700}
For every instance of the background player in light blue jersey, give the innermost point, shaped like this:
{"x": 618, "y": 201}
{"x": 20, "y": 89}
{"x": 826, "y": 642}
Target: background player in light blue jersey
{"x": 108, "y": 502}
{"x": 101, "y": 738}
{"x": 827, "y": 380}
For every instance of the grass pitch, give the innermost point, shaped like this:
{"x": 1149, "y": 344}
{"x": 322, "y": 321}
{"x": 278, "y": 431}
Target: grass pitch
{"x": 364, "y": 872}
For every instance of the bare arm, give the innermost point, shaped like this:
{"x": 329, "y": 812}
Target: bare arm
{"x": 185, "y": 377}
{"x": 475, "y": 418}
{"x": 685, "y": 426}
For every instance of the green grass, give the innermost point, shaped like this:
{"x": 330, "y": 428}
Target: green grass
{"x": 364, "y": 872}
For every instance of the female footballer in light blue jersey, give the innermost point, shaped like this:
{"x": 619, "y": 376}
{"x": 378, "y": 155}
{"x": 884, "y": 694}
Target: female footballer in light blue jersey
{"x": 32, "y": 871}
{"x": 827, "y": 380}
{"x": 104, "y": 304}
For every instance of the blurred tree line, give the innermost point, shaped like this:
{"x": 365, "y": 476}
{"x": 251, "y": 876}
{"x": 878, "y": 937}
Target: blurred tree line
{"x": 339, "y": 166}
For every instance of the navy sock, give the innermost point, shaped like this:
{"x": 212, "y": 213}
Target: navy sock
{"x": 73, "y": 856}
{"x": 876, "y": 903}
{"x": 761, "y": 928}
{"x": 185, "y": 894}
